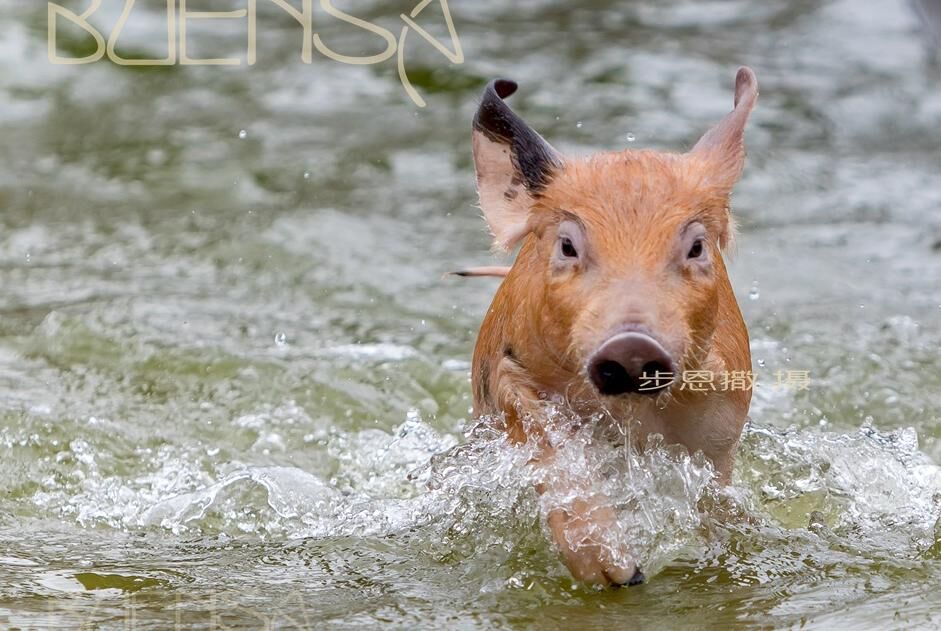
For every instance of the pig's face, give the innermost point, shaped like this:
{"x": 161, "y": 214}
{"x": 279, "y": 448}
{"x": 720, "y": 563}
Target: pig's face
{"x": 630, "y": 247}
{"x": 628, "y": 244}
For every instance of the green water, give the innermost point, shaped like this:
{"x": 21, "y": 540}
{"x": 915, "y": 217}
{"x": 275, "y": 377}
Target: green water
{"x": 226, "y": 358}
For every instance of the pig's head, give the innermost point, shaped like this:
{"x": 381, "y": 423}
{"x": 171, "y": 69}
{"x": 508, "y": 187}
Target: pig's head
{"x": 624, "y": 247}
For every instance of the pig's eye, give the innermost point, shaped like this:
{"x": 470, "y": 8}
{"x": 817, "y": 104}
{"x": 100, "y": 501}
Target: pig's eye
{"x": 568, "y": 248}
{"x": 696, "y": 251}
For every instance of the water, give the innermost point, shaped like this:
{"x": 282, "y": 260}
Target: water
{"x": 235, "y": 384}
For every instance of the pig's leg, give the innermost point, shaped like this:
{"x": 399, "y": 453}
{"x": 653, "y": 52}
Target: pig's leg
{"x": 583, "y": 524}
{"x": 518, "y": 398}
{"x": 579, "y": 531}
{"x": 580, "y": 524}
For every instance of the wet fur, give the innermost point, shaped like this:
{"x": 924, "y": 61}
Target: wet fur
{"x": 544, "y": 323}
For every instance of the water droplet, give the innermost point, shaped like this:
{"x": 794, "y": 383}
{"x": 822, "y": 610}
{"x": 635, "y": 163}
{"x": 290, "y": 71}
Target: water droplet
{"x": 156, "y": 157}
{"x": 631, "y": 137}
{"x": 243, "y": 134}
{"x": 754, "y": 294}
{"x": 280, "y": 338}
{"x": 578, "y": 124}
{"x": 306, "y": 175}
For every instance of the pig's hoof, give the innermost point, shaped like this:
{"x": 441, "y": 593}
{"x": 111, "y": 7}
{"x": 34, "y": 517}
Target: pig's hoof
{"x": 637, "y": 579}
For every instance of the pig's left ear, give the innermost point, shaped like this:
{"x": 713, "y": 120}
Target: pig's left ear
{"x": 513, "y": 165}
{"x": 723, "y": 146}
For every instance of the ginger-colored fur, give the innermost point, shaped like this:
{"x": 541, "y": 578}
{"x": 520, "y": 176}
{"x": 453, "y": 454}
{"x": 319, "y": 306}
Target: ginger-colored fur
{"x": 632, "y": 211}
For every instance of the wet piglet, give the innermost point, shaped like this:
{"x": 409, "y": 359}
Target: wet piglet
{"x": 619, "y": 288}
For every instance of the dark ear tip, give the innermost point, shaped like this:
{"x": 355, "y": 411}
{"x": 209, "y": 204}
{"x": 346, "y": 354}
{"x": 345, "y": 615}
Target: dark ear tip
{"x": 494, "y": 115}
{"x": 504, "y": 87}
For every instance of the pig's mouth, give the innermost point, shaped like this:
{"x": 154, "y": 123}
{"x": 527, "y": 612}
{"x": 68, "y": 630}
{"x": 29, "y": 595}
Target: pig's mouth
{"x": 631, "y": 362}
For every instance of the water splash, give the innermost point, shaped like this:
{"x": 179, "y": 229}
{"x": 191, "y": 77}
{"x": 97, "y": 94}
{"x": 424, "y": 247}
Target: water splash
{"x": 876, "y": 487}
{"x": 475, "y": 501}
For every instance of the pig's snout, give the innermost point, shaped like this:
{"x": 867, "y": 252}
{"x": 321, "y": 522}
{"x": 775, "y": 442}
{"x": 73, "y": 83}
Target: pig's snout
{"x": 629, "y": 363}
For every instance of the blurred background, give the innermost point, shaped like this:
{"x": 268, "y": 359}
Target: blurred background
{"x": 225, "y": 338}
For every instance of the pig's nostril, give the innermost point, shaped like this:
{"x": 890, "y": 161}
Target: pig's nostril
{"x": 610, "y": 377}
{"x": 655, "y": 368}
{"x": 631, "y": 362}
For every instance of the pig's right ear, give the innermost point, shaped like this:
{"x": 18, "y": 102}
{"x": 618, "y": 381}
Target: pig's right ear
{"x": 513, "y": 165}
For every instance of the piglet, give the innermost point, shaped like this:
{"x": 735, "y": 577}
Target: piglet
{"x": 618, "y": 292}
